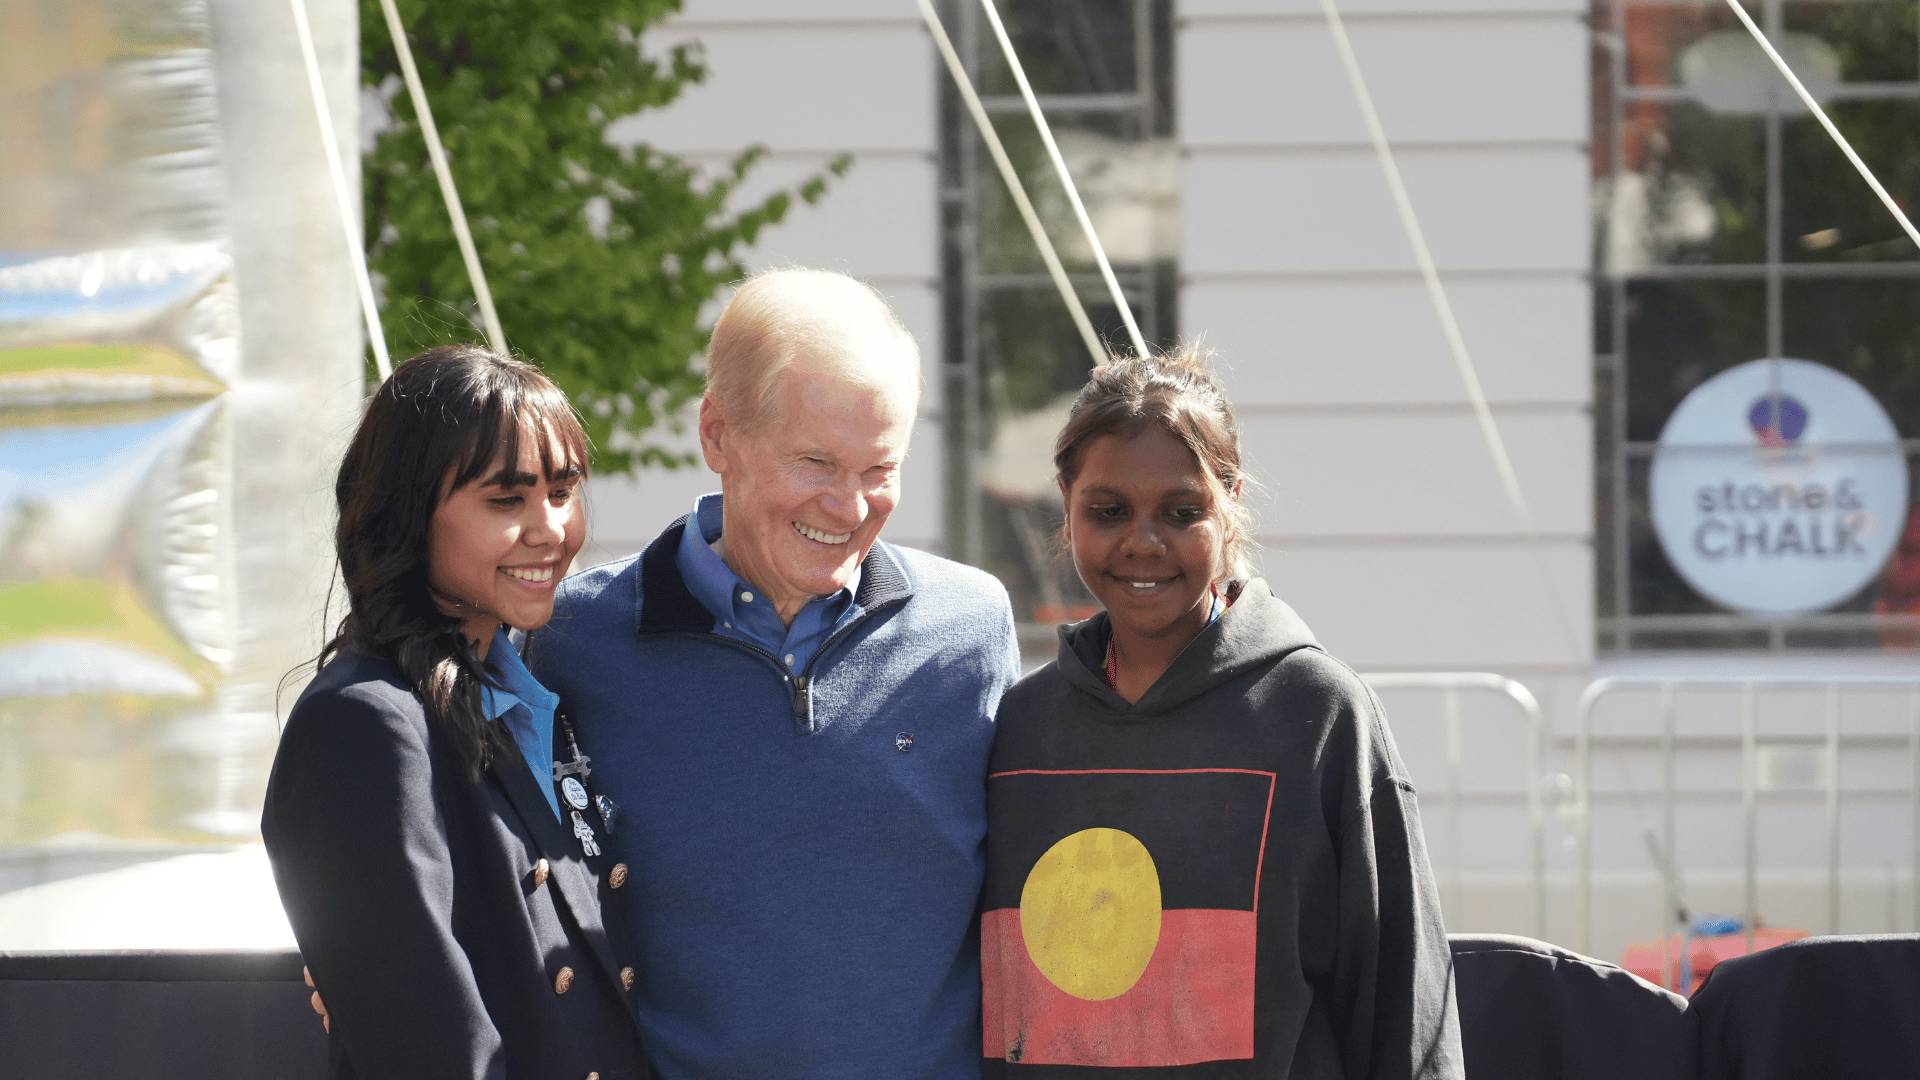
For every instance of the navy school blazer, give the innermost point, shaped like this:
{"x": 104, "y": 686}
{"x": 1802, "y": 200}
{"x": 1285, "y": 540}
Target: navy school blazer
{"x": 418, "y": 901}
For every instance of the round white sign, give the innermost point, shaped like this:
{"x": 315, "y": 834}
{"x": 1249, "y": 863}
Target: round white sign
{"x": 1778, "y": 487}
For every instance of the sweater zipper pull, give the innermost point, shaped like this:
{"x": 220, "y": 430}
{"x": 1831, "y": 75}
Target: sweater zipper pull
{"x": 802, "y": 699}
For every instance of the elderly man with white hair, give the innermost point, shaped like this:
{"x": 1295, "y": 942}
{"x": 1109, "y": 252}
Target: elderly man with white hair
{"x": 793, "y": 718}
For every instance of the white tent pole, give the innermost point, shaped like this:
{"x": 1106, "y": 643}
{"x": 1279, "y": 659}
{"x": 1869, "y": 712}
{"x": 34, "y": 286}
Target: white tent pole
{"x": 491, "y": 319}
{"x": 1449, "y": 326}
{"x": 1821, "y": 114}
{"x": 1066, "y": 180}
{"x": 1014, "y": 187}
{"x": 349, "y": 221}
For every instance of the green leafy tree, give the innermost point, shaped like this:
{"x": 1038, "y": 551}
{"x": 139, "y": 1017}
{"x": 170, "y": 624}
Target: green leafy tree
{"x": 599, "y": 258}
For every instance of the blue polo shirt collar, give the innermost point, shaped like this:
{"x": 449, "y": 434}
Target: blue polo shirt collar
{"x": 531, "y": 723}
{"x": 739, "y": 610}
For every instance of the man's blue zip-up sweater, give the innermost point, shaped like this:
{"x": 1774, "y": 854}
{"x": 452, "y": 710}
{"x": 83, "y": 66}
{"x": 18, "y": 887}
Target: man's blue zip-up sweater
{"x": 805, "y": 851}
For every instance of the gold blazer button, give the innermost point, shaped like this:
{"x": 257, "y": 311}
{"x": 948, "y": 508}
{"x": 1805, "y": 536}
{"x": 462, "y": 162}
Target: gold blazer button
{"x": 563, "y": 980}
{"x": 617, "y": 876}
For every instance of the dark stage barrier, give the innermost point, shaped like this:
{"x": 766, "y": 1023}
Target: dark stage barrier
{"x": 157, "y": 1016}
{"x": 1528, "y": 1011}
{"x": 1828, "y": 1006}
{"x": 1534, "y": 1011}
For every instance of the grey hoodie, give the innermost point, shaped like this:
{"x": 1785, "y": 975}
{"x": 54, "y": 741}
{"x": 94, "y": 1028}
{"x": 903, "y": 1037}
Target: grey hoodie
{"x": 1224, "y": 879}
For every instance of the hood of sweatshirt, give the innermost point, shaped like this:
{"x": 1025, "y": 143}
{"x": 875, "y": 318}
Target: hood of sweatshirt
{"x": 1258, "y": 629}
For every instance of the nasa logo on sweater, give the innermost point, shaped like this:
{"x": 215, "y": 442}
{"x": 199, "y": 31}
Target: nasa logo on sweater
{"x": 1778, "y": 487}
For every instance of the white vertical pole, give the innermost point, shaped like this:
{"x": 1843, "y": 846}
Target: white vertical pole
{"x": 1833, "y": 808}
{"x": 1583, "y": 823}
{"x": 1749, "y": 805}
{"x": 1450, "y": 710}
{"x": 1536, "y": 808}
{"x": 1669, "y": 866}
{"x": 1913, "y": 799}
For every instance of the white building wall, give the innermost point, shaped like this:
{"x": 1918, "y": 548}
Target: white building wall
{"x": 1383, "y": 520}
{"x": 808, "y": 82}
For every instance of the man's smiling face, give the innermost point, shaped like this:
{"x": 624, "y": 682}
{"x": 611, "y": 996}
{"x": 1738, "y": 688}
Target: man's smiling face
{"x": 808, "y": 488}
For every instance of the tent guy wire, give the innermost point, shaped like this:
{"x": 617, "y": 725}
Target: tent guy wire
{"x": 488, "y": 317}
{"x": 1066, "y": 180}
{"x": 1821, "y": 114}
{"x": 1014, "y": 187}
{"x": 1449, "y": 326}
{"x": 349, "y": 221}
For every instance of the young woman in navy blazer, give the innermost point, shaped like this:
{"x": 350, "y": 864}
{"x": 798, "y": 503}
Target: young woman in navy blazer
{"x": 448, "y": 916}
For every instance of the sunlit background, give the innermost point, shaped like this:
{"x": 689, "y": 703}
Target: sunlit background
{"x": 1623, "y": 201}
{"x": 178, "y": 358}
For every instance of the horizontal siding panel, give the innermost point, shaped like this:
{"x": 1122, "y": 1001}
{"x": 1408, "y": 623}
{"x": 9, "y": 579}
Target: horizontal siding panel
{"x": 1313, "y": 340}
{"x": 1412, "y": 475}
{"x": 1446, "y": 608}
{"x": 827, "y": 88}
{"x": 1330, "y": 211}
{"x": 1475, "y": 80}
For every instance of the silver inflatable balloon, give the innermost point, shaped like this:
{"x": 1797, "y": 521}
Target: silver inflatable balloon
{"x": 162, "y": 478}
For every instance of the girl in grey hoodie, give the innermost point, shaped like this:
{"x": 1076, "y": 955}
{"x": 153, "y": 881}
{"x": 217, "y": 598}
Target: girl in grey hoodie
{"x": 1204, "y": 856}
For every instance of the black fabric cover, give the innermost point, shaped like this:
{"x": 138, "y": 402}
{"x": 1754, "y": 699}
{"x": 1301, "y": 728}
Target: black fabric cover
{"x": 1534, "y": 1011}
{"x": 157, "y": 1016}
{"x": 1827, "y": 1006}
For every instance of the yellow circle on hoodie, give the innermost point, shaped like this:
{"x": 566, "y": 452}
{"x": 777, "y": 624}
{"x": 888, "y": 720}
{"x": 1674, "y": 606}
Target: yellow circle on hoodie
{"x": 1090, "y": 913}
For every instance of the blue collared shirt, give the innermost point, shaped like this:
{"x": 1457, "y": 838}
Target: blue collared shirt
{"x": 532, "y": 724}
{"x": 740, "y": 611}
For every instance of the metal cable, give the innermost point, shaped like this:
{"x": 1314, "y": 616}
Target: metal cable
{"x": 349, "y": 221}
{"x": 495, "y": 337}
{"x": 1014, "y": 187}
{"x": 1821, "y": 114}
{"x": 1066, "y": 180}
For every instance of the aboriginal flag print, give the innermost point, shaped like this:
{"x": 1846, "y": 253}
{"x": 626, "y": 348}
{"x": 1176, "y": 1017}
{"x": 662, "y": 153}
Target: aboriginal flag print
{"x": 1120, "y": 916}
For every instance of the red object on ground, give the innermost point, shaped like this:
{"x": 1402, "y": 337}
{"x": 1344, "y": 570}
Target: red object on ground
{"x": 1649, "y": 959}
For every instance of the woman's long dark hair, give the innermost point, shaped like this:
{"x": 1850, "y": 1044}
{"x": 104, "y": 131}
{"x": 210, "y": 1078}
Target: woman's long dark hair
{"x": 438, "y": 423}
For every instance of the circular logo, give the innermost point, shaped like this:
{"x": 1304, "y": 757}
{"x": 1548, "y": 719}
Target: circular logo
{"x": 1778, "y": 487}
{"x": 574, "y": 792}
{"x": 1090, "y": 913}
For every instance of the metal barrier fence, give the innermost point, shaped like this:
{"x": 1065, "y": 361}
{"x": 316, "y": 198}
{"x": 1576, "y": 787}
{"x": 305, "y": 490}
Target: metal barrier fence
{"x": 1749, "y": 690}
{"x": 1450, "y": 684}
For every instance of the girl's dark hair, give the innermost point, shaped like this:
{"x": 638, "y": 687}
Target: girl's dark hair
{"x": 438, "y": 423}
{"x": 1174, "y": 392}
